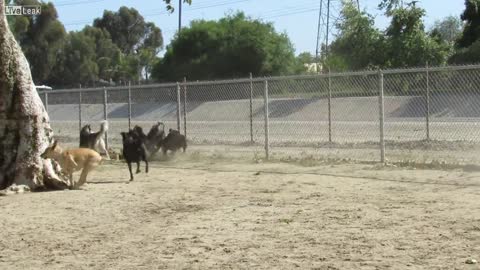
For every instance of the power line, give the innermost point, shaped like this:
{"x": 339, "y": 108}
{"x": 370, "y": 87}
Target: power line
{"x": 298, "y": 5}
{"x": 292, "y": 13}
{"x": 197, "y": 8}
{"x": 64, "y": 4}
{"x": 166, "y": 12}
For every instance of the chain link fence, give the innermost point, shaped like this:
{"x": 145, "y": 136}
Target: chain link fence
{"x": 427, "y": 114}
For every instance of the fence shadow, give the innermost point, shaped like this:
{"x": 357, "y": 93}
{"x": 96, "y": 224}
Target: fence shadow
{"x": 139, "y": 110}
{"x": 284, "y": 108}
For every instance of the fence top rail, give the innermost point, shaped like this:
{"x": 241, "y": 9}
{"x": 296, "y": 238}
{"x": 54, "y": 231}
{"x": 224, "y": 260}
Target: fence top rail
{"x": 110, "y": 88}
{"x": 430, "y": 69}
{"x": 280, "y": 78}
{"x": 262, "y": 79}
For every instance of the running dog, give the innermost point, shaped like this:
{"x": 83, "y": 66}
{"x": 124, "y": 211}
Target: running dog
{"x": 134, "y": 150}
{"x": 153, "y": 140}
{"x": 72, "y": 160}
{"x": 173, "y": 142}
{"x": 94, "y": 140}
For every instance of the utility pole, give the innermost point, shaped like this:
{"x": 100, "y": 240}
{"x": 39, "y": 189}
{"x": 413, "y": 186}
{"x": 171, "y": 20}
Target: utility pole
{"x": 323, "y": 30}
{"x": 328, "y": 28}
{"x": 317, "y": 51}
{"x": 179, "y": 15}
{"x": 358, "y": 5}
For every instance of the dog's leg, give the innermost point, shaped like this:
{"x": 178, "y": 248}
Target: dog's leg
{"x": 146, "y": 165}
{"x": 102, "y": 148}
{"x": 72, "y": 183}
{"x": 130, "y": 170}
{"x": 83, "y": 176}
{"x": 89, "y": 166}
{"x": 138, "y": 166}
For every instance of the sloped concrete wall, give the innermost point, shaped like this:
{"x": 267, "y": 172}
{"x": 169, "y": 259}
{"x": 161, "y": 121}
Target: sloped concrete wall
{"x": 343, "y": 109}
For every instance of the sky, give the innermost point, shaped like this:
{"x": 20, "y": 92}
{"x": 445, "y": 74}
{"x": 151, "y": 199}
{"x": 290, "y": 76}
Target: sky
{"x": 297, "y": 18}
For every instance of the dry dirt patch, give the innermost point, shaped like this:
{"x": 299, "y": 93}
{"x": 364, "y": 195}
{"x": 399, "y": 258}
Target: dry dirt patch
{"x": 226, "y": 215}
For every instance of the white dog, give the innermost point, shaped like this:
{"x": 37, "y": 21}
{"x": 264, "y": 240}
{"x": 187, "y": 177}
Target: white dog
{"x": 95, "y": 140}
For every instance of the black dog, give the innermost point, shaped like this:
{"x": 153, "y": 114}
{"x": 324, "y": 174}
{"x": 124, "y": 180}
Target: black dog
{"x": 173, "y": 142}
{"x": 85, "y": 136}
{"x": 153, "y": 140}
{"x": 133, "y": 151}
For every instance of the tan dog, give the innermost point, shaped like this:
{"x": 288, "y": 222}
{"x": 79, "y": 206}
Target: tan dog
{"x": 72, "y": 160}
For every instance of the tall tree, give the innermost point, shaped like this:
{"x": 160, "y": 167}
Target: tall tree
{"x": 448, "y": 29}
{"x": 25, "y": 129}
{"x": 234, "y": 46}
{"x": 41, "y": 38}
{"x": 407, "y": 42}
{"x": 79, "y": 61}
{"x": 390, "y": 5}
{"x": 358, "y": 44}
{"x": 468, "y": 45}
{"x": 129, "y": 31}
{"x": 471, "y": 17}
{"x": 140, "y": 41}
{"x": 107, "y": 54}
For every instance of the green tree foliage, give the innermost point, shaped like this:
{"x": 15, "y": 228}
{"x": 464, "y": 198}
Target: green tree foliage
{"x": 358, "y": 44}
{"x": 234, "y": 46}
{"x": 468, "y": 45}
{"x": 470, "y": 55}
{"x": 41, "y": 38}
{"x": 107, "y": 54}
{"x": 390, "y": 5}
{"x": 407, "y": 42}
{"x": 129, "y": 31}
{"x": 78, "y": 64}
{"x": 138, "y": 40}
{"x": 471, "y": 17}
{"x": 120, "y": 46}
{"x": 170, "y": 5}
{"x": 301, "y": 60}
{"x": 448, "y": 29}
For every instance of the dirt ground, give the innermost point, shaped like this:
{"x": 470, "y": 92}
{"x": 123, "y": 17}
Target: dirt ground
{"x": 225, "y": 214}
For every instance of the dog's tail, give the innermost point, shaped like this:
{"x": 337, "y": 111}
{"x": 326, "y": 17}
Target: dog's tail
{"x": 163, "y": 126}
{"x": 104, "y": 126}
{"x": 102, "y": 131}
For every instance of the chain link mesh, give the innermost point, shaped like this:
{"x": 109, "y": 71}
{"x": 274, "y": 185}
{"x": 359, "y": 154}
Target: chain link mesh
{"x": 154, "y": 103}
{"x": 429, "y": 114}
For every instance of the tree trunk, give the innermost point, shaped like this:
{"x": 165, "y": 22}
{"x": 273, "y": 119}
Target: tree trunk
{"x": 24, "y": 124}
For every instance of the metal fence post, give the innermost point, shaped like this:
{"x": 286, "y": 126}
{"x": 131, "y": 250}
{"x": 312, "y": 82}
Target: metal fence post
{"x": 265, "y": 106}
{"x": 129, "y": 105}
{"x": 80, "y": 110}
{"x": 428, "y": 104}
{"x": 105, "y": 114}
{"x": 178, "y": 108}
{"x": 185, "y": 106}
{"x": 329, "y": 107}
{"x": 382, "y": 117}
{"x": 251, "y": 108}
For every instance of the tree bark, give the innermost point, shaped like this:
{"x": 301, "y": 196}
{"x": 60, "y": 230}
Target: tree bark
{"x": 24, "y": 123}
